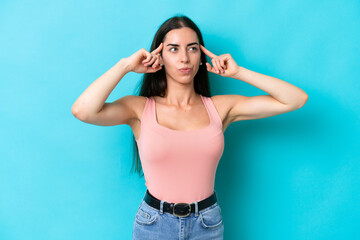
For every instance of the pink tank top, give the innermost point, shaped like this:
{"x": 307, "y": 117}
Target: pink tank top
{"x": 180, "y": 166}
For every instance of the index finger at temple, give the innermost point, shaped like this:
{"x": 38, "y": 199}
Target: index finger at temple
{"x": 158, "y": 49}
{"x": 207, "y": 52}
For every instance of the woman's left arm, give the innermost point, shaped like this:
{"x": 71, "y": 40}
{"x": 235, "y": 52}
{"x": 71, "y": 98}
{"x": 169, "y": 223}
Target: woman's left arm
{"x": 284, "y": 97}
{"x": 282, "y": 91}
{"x": 286, "y": 93}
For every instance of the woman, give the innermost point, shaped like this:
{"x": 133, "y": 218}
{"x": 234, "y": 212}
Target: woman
{"x": 179, "y": 127}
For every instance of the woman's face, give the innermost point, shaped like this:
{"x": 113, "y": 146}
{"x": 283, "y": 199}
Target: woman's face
{"x": 181, "y": 50}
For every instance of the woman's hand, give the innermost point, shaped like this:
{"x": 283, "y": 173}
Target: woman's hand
{"x": 141, "y": 61}
{"x": 224, "y": 65}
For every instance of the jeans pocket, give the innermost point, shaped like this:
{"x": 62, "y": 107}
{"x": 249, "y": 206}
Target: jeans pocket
{"x": 146, "y": 215}
{"x": 211, "y": 217}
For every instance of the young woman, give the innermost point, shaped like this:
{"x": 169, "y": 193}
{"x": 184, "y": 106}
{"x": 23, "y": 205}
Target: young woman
{"x": 178, "y": 126}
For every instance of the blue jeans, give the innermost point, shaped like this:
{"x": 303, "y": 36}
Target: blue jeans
{"x": 151, "y": 223}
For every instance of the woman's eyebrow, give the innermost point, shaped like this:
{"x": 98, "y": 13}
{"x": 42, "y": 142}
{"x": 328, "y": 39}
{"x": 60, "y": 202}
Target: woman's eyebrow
{"x": 176, "y": 45}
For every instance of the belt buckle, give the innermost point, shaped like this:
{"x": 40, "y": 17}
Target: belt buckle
{"x": 179, "y": 215}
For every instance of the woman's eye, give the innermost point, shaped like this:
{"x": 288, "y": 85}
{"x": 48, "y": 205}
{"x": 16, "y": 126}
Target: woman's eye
{"x": 190, "y": 48}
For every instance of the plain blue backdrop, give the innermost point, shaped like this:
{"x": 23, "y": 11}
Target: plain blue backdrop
{"x": 291, "y": 176}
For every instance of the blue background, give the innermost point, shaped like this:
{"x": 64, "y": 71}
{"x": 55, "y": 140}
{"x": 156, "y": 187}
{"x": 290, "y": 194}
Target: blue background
{"x": 291, "y": 176}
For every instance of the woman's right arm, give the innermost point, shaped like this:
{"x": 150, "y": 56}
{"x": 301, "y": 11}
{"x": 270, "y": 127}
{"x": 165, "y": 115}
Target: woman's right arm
{"x": 91, "y": 107}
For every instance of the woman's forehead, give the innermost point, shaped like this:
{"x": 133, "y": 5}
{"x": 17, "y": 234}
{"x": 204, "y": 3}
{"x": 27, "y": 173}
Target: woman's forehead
{"x": 182, "y": 36}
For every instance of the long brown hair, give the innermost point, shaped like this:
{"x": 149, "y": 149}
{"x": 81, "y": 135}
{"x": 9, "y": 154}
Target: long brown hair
{"x": 154, "y": 84}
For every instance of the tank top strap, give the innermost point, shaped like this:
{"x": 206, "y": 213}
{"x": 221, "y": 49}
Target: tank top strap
{"x": 212, "y": 111}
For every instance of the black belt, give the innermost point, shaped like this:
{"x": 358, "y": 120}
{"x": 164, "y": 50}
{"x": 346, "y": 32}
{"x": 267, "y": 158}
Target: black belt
{"x": 179, "y": 209}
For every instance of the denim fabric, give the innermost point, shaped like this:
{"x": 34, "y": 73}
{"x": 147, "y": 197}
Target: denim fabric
{"x": 151, "y": 223}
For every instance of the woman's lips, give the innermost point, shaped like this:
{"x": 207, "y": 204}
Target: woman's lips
{"x": 185, "y": 70}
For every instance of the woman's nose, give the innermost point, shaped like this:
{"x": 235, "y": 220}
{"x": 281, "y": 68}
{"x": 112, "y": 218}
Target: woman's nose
{"x": 184, "y": 56}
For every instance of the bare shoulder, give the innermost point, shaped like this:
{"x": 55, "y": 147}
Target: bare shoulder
{"x": 137, "y": 103}
{"x": 133, "y": 104}
{"x": 223, "y": 105}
